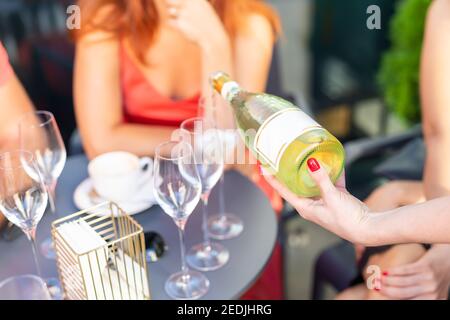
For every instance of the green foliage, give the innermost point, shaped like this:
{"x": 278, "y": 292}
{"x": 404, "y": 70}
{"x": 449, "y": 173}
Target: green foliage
{"x": 399, "y": 73}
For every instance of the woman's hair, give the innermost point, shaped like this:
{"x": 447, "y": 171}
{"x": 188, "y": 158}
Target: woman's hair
{"x": 138, "y": 19}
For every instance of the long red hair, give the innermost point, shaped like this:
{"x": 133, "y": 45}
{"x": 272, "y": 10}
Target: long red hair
{"x": 138, "y": 20}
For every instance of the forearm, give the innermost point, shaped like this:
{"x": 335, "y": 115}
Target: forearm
{"x": 427, "y": 222}
{"x": 217, "y": 56}
{"x": 141, "y": 140}
{"x": 437, "y": 171}
{"x": 14, "y": 103}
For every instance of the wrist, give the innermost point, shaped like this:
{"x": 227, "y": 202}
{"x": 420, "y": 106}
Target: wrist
{"x": 371, "y": 229}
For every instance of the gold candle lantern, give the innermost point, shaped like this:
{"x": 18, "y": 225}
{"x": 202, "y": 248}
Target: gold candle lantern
{"x": 100, "y": 255}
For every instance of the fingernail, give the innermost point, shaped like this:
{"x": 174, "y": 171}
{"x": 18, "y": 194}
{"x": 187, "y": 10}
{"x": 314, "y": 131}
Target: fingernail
{"x": 385, "y": 273}
{"x": 260, "y": 169}
{"x": 313, "y": 164}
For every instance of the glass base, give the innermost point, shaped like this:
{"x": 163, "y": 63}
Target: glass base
{"x": 54, "y": 288}
{"x": 225, "y": 226}
{"x": 187, "y": 286}
{"x": 208, "y": 257}
{"x": 47, "y": 249}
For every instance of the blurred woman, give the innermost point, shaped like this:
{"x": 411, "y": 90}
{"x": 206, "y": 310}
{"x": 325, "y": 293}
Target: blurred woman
{"x": 14, "y": 103}
{"x": 141, "y": 67}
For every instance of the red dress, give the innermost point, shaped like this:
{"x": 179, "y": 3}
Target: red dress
{"x": 5, "y": 68}
{"x": 143, "y": 104}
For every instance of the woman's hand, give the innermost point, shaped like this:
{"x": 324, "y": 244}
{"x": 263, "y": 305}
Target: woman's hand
{"x": 198, "y": 21}
{"x": 337, "y": 210}
{"x": 428, "y": 278}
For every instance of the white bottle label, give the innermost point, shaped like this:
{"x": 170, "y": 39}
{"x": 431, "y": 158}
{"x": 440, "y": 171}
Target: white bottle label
{"x": 278, "y": 132}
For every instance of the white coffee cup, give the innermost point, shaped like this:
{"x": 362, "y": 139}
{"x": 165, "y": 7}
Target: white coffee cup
{"x": 117, "y": 176}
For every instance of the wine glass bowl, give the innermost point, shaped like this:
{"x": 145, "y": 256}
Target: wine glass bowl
{"x": 26, "y": 287}
{"x": 39, "y": 133}
{"x": 177, "y": 189}
{"x": 23, "y": 195}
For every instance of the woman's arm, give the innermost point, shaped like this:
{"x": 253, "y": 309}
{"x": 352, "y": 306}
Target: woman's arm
{"x": 253, "y": 53}
{"x": 246, "y": 57}
{"x": 435, "y": 96}
{"x": 14, "y": 103}
{"x": 341, "y": 213}
{"x": 98, "y": 102}
{"x": 427, "y": 222}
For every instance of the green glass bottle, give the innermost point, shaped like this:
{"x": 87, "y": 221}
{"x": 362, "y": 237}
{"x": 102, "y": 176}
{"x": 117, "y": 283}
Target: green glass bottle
{"x": 282, "y": 136}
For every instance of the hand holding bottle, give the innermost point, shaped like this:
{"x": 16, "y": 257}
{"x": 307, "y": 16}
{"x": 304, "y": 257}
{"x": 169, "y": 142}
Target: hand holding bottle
{"x": 281, "y": 136}
{"x": 336, "y": 210}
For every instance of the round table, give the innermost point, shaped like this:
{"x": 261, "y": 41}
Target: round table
{"x": 249, "y": 252}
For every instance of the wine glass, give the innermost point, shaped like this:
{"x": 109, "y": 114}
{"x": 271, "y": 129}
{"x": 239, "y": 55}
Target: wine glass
{"x": 202, "y": 136}
{"x": 26, "y": 287}
{"x": 39, "y": 134}
{"x": 223, "y": 225}
{"x": 177, "y": 188}
{"x": 23, "y": 195}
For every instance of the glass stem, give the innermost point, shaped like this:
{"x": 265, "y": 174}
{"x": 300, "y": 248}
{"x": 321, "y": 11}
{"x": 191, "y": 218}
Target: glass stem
{"x": 222, "y": 197}
{"x": 205, "y": 198}
{"x": 184, "y": 267}
{"x": 31, "y": 234}
{"x": 51, "y": 190}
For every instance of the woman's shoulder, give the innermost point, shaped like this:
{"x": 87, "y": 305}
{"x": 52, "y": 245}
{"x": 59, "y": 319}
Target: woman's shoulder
{"x": 258, "y": 17}
{"x": 94, "y": 30}
{"x": 3, "y": 57}
{"x": 436, "y": 36}
{"x": 257, "y": 25}
{"x": 5, "y": 68}
{"x": 439, "y": 14}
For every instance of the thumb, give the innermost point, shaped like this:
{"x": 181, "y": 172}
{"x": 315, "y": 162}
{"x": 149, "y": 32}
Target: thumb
{"x": 321, "y": 178}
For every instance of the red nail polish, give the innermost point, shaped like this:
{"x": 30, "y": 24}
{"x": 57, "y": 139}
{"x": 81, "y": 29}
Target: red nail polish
{"x": 385, "y": 273}
{"x": 313, "y": 164}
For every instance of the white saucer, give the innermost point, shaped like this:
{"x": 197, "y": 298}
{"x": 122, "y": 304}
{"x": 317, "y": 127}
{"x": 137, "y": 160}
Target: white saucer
{"x": 85, "y": 197}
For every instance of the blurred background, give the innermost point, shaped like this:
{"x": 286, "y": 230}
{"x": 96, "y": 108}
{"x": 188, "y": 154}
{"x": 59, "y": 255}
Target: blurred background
{"x": 360, "y": 84}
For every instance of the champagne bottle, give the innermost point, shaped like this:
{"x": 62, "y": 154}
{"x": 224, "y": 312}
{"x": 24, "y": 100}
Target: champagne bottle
{"x": 282, "y": 136}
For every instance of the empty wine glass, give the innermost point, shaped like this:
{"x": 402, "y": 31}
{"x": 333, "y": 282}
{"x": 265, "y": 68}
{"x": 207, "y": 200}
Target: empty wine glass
{"x": 202, "y": 136}
{"x": 223, "y": 225}
{"x": 39, "y": 134}
{"x": 177, "y": 188}
{"x": 23, "y": 195}
{"x": 26, "y": 287}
